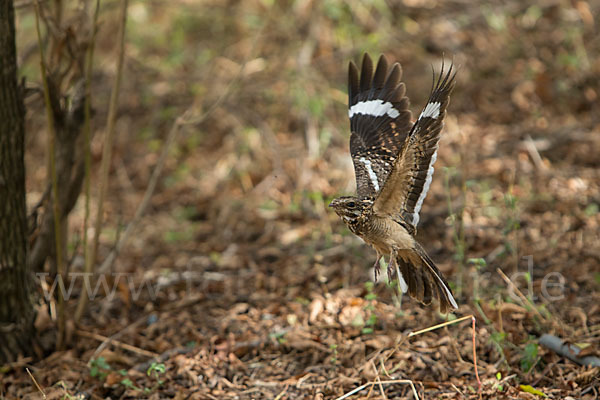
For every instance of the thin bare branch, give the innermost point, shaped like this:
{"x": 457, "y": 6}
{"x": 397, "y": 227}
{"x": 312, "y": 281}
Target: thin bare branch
{"x": 116, "y": 343}
{"x": 110, "y": 131}
{"x": 37, "y": 385}
{"x": 89, "y": 265}
{"x": 53, "y": 176}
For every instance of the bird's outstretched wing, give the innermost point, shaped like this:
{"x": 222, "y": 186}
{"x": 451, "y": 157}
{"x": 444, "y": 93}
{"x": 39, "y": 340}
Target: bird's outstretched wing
{"x": 407, "y": 184}
{"x": 379, "y": 120}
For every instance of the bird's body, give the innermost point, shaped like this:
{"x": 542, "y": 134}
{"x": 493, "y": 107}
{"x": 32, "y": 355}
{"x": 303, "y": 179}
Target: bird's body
{"x": 393, "y": 160}
{"x": 381, "y": 233}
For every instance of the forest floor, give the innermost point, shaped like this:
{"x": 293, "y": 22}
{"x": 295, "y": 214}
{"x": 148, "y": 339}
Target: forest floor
{"x": 239, "y": 282}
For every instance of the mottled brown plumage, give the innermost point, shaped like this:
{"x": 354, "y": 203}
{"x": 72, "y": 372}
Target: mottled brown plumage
{"x": 393, "y": 161}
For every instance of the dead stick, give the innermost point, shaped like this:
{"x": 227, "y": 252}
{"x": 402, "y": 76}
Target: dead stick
{"x": 35, "y": 382}
{"x": 475, "y": 358}
{"x": 110, "y": 133}
{"x": 88, "y": 265}
{"x": 54, "y": 179}
{"x": 521, "y": 295}
{"x": 116, "y": 343}
{"x": 433, "y": 328}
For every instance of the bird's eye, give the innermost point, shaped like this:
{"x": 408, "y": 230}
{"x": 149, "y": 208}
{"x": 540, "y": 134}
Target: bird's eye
{"x": 351, "y": 204}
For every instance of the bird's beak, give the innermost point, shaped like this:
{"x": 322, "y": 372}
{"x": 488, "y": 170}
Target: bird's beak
{"x": 331, "y": 204}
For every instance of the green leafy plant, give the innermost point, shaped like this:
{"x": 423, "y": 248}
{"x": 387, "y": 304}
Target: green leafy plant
{"x": 334, "y": 357}
{"x": 530, "y": 356}
{"x": 156, "y": 370}
{"x": 499, "y": 385}
{"x": 128, "y": 383}
{"x": 99, "y": 368}
{"x": 279, "y": 336}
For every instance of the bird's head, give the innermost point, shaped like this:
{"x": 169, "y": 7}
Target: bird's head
{"x": 349, "y": 208}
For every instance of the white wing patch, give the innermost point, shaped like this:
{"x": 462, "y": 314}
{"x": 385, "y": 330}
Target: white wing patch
{"x": 432, "y": 110}
{"x": 403, "y": 285}
{"x": 425, "y": 190}
{"x": 375, "y": 108}
{"x": 371, "y": 173}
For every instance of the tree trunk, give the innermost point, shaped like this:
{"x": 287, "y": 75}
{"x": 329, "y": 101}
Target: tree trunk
{"x": 16, "y": 283}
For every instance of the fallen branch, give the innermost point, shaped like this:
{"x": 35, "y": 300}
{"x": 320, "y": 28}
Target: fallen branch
{"x": 567, "y": 350}
{"x": 116, "y": 343}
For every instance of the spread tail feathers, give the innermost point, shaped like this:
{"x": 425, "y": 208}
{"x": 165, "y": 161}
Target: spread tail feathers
{"x": 423, "y": 279}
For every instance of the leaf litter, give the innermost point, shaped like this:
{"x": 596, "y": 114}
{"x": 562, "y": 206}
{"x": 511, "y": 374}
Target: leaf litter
{"x": 253, "y": 290}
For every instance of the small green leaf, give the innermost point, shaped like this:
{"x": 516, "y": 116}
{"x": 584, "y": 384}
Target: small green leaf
{"x": 372, "y": 320}
{"x": 591, "y": 209}
{"x": 477, "y": 261}
{"x": 532, "y": 390}
{"x": 371, "y": 296}
{"x": 101, "y": 363}
{"x": 156, "y": 368}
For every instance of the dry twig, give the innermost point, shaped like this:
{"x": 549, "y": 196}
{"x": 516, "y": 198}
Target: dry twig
{"x": 525, "y": 300}
{"x": 116, "y": 343}
{"x": 54, "y": 179}
{"x": 110, "y": 132}
{"x": 35, "y": 382}
{"x": 88, "y": 264}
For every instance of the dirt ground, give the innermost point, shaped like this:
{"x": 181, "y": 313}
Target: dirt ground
{"x": 239, "y": 283}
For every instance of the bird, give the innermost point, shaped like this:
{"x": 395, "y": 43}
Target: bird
{"x": 393, "y": 160}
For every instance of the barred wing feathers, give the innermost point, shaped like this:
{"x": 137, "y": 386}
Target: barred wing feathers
{"x": 407, "y": 184}
{"x": 380, "y": 122}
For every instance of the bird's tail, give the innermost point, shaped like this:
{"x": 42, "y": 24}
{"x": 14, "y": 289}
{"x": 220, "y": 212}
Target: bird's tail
{"x": 423, "y": 281}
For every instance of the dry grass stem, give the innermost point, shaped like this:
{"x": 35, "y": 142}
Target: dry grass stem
{"x": 35, "y": 383}
{"x": 525, "y": 301}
